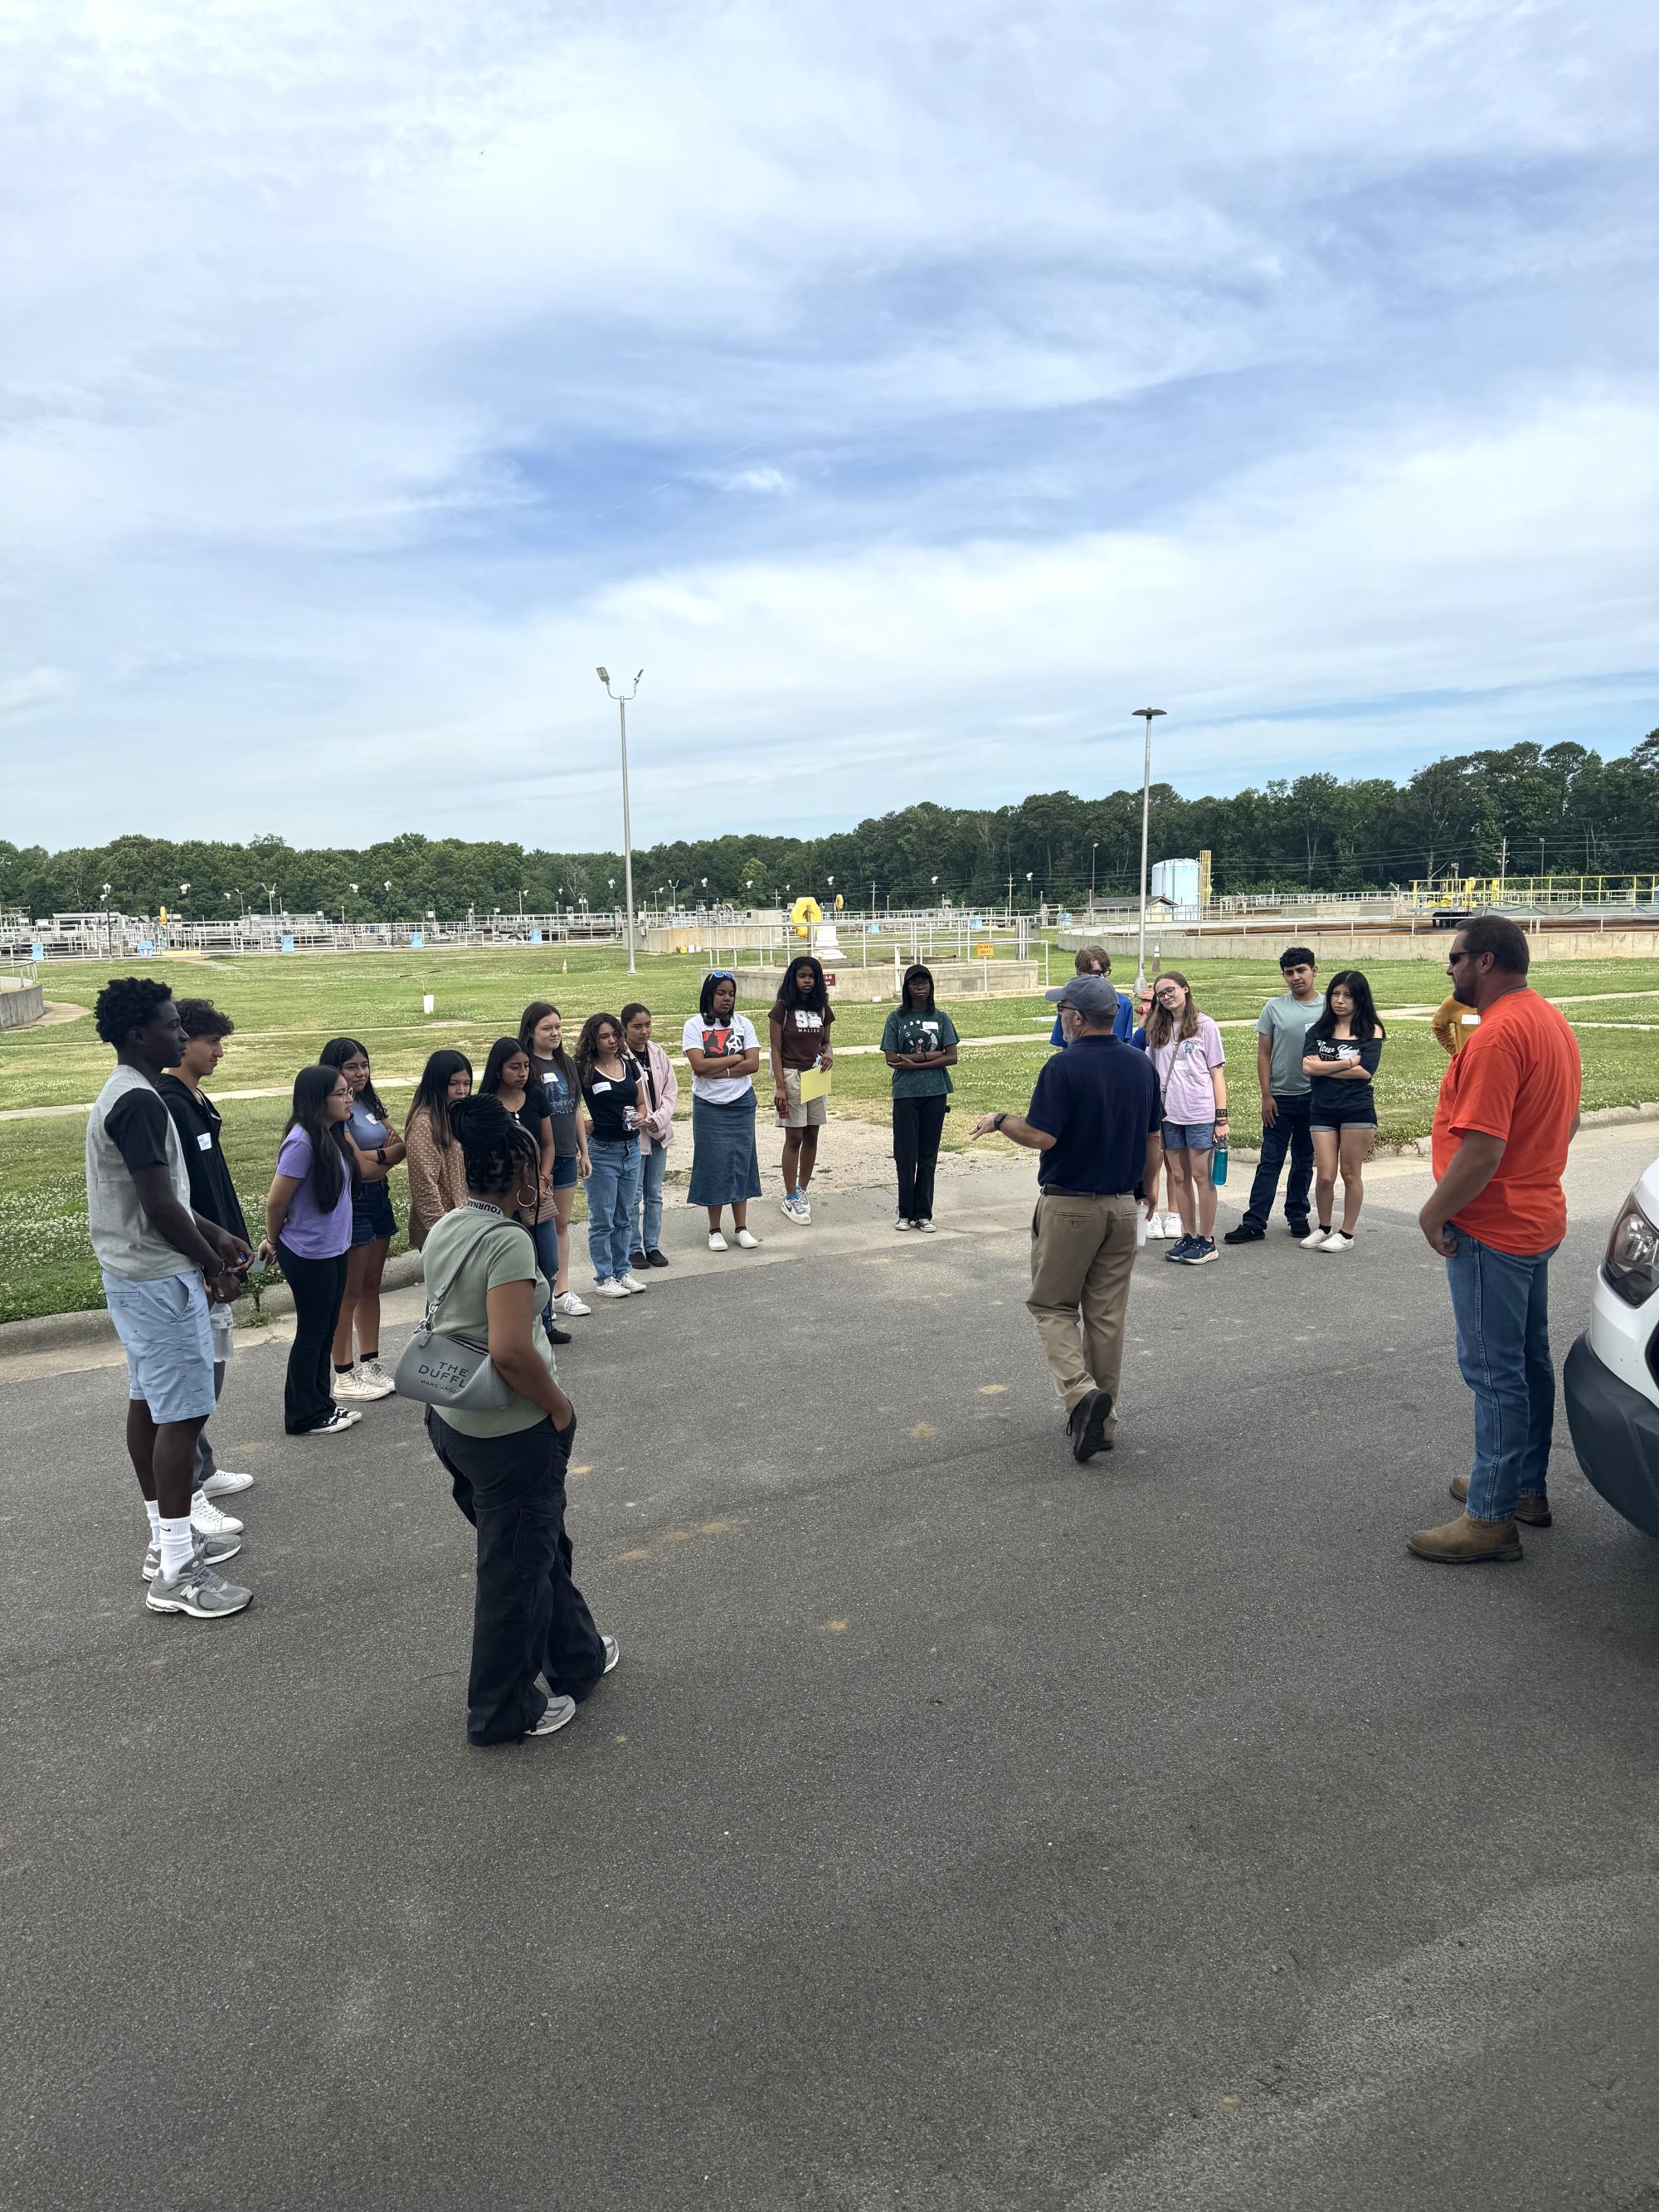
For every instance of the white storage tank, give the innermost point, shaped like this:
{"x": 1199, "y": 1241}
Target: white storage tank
{"x": 1177, "y": 881}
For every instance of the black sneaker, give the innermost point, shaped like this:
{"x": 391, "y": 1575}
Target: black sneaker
{"x": 1299, "y": 1229}
{"x": 637, "y": 1260}
{"x": 655, "y": 1259}
{"x": 1246, "y": 1233}
{"x": 560, "y": 1336}
{"x": 1086, "y": 1425}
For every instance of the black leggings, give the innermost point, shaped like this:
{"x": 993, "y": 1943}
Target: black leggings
{"x": 318, "y": 1286}
{"x": 917, "y": 1124}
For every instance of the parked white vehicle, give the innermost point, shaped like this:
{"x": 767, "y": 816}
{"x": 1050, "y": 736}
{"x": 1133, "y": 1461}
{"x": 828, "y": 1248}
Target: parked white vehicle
{"x": 1611, "y": 1375}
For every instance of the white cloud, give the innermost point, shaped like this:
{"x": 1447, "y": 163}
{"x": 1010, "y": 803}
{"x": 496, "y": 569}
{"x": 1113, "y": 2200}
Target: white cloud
{"x": 32, "y": 687}
{"x": 877, "y": 377}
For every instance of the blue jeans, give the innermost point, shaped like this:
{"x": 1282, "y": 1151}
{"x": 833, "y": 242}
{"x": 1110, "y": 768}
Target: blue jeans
{"x": 613, "y": 1197}
{"x": 1289, "y": 1133}
{"x": 545, "y": 1235}
{"x": 1501, "y": 1307}
{"x": 653, "y": 1165}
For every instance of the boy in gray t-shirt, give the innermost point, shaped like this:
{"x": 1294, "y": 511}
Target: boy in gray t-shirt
{"x": 1285, "y": 1099}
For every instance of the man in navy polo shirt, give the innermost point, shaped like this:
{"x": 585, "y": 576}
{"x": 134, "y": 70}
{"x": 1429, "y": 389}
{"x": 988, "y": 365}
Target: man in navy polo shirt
{"x": 1096, "y": 1117}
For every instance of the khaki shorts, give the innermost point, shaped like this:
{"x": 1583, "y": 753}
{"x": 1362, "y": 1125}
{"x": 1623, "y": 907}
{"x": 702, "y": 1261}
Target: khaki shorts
{"x": 812, "y": 1115}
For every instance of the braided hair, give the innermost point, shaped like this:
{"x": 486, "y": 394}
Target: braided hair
{"x": 498, "y": 1153}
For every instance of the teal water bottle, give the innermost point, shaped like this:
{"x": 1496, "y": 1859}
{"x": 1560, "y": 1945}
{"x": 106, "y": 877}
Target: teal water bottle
{"x": 1218, "y": 1165}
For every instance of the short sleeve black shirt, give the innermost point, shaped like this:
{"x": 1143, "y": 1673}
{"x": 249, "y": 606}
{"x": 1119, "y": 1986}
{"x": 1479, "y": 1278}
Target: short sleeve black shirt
{"x": 1097, "y": 1100}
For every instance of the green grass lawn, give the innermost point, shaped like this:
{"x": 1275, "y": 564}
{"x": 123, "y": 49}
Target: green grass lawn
{"x": 285, "y": 1008}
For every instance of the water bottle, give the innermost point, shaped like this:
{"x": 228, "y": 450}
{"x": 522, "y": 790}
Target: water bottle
{"x": 1218, "y": 1165}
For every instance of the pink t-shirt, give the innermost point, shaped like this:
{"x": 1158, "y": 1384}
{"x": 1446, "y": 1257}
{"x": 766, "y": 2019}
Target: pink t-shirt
{"x": 1184, "y": 1071}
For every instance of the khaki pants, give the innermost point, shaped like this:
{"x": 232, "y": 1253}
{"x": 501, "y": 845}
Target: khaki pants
{"x": 1083, "y": 1253}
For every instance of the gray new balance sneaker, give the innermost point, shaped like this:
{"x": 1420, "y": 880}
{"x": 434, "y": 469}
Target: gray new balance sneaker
{"x": 197, "y": 1591}
{"x": 215, "y": 1550}
{"x": 559, "y": 1711}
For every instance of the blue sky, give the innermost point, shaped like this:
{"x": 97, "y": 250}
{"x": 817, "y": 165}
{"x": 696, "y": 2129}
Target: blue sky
{"x": 912, "y": 392}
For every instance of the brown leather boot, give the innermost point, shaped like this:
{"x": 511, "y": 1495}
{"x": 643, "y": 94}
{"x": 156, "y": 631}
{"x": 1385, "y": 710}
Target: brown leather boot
{"x": 1462, "y": 1543}
{"x": 1532, "y": 1506}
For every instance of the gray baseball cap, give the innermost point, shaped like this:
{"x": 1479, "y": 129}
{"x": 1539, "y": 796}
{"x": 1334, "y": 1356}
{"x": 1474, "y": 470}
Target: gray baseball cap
{"x": 1092, "y": 996}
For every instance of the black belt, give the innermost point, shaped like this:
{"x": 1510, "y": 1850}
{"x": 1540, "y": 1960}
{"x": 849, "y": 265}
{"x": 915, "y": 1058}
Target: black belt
{"x": 1058, "y": 1190}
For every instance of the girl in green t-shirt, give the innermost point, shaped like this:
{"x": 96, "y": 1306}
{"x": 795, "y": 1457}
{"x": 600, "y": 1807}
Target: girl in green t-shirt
{"x": 920, "y": 1045}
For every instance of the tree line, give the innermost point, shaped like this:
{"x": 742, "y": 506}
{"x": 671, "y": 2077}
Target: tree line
{"x": 1529, "y": 809}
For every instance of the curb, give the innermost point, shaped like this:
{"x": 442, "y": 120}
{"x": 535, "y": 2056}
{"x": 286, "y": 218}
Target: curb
{"x": 46, "y": 1332}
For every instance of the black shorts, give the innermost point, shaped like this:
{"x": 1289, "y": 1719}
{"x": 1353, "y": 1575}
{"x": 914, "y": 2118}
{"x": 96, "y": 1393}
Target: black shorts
{"x": 1343, "y": 1112}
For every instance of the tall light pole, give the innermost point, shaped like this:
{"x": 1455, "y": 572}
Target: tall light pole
{"x": 622, "y": 699}
{"x": 1149, "y": 715}
{"x": 1093, "y": 849}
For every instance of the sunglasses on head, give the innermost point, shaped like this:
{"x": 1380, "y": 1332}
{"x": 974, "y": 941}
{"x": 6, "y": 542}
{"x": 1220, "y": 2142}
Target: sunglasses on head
{"x": 721, "y": 976}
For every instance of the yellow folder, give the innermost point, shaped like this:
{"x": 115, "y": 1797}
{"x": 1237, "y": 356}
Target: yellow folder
{"x": 814, "y": 1083}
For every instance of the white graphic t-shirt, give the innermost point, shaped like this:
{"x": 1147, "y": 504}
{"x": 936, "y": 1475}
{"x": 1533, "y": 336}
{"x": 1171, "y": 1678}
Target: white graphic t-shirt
{"x": 720, "y": 1041}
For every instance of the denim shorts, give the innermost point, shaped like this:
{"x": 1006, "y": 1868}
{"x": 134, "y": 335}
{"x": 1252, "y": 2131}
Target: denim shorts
{"x": 1189, "y": 1136}
{"x": 565, "y": 1171}
{"x": 372, "y": 1217}
{"x": 168, "y": 1339}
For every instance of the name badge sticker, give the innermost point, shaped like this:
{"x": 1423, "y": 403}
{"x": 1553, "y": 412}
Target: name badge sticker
{"x": 205, "y": 1142}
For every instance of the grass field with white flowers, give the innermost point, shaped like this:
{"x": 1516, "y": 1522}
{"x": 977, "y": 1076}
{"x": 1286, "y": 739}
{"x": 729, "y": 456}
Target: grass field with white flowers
{"x": 285, "y": 1007}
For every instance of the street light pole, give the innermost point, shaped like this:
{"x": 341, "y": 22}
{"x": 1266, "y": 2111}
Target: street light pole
{"x": 1149, "y": 715}
{"x": 622, "y": 699}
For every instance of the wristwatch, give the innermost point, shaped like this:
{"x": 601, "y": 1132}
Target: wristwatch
{"x": 997, "y": 1121}
{"x": 380, "y": 1154}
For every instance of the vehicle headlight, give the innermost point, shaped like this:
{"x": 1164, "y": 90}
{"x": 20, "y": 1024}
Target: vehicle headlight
{"x": 1632, "y": 1265}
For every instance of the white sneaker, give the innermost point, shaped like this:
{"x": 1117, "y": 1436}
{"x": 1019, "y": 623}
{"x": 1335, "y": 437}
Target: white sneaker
{"x": 568, "y": 1302}
{"x": 1172, "y": 1225}
{"x": 787, "y": 1205}
{"x": 630, "y": 1282}
{"x": 355, "y": 1384}
{"x": 717, "y": 1243}
{"x": 339, "y": 1420}
{"x": 1336, "y": 1242}
{"x": 927, "y": 1228}
{"x": 901, "y": 1225}
{"x": 608, "y": 1290}
{"x": 747, "y": 1239}
{"x": 370, "y": 1370}
{"x": 1154, "y": 1228}
{"x": 207, "y": 1520}
{"x": 1316, "y": 1239}
{"x": 803, "y": 1206}
{"x": 612, "y": 1652}
{"x": 221, "y": 1483}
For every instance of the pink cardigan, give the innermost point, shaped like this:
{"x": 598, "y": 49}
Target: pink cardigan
{"x": 658, "y": 1128}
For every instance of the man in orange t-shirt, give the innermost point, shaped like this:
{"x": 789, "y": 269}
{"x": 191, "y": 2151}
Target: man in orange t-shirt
{"x": 1508, "y": 1111}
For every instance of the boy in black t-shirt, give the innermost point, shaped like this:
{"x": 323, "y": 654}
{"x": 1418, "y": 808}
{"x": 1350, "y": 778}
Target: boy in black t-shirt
{"x": 213, "y": 1195}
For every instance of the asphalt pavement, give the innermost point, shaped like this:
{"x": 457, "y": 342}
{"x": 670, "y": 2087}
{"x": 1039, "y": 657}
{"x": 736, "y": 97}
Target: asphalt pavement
{"x": 964, "y": 1829}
